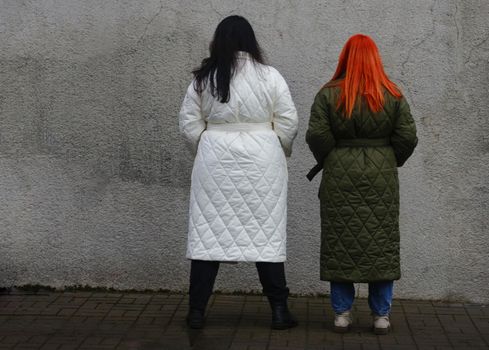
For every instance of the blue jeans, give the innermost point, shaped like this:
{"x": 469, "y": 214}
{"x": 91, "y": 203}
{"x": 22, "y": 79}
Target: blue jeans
{"x": 379, "y": 296}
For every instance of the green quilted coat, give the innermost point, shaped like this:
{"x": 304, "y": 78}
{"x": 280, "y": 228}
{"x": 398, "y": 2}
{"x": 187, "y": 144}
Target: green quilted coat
{"x": 359, "y": 190}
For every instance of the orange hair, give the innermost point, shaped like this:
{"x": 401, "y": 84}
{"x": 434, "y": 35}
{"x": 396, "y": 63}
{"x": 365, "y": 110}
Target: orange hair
{"x": 360, "y": 73}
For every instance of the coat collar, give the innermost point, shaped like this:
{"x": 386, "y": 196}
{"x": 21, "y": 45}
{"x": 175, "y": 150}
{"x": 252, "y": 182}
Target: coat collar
{"x": 244, "y": 55}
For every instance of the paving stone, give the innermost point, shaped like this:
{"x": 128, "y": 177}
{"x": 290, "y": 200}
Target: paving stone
{"x": 87, "y": 320}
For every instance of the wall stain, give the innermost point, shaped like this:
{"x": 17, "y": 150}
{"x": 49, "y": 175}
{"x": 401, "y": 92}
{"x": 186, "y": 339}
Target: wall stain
{"x": 150, "y": 160}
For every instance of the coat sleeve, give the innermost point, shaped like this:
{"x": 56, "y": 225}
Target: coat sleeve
{"x": 191, "y": 120}
{"x": 318, "y": 135}
{"x": 285, "y": 119}
{"x": 403, "y": 137}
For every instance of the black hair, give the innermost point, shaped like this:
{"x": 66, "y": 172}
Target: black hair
{"x": 233, "y": 34}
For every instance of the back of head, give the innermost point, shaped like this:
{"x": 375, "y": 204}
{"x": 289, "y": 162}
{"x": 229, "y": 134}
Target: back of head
{"x": 360, "y": 74}
{"x": 233, "y": 34}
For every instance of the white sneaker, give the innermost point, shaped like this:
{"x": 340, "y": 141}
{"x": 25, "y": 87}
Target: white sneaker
{"x": 342, "y": 322}
{"x": 381, "y": 324}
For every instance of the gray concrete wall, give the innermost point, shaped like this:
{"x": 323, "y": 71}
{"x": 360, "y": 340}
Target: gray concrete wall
{"x": 94, "y": 177}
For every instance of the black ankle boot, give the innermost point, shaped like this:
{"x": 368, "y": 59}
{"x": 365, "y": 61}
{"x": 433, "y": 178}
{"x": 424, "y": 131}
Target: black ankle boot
{"x": 195, "y": 319}
{"x": 282, "y": 318}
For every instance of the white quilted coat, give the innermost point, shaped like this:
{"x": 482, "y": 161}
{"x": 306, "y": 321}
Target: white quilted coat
{"x": 238, "y": 199}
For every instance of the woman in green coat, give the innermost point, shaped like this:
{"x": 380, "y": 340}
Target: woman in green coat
{"x": 360, "y": 131}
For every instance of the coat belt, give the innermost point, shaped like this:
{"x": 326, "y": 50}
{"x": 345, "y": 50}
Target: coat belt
{"x": 380, "y": 142}
{"x": 239, "y": 126}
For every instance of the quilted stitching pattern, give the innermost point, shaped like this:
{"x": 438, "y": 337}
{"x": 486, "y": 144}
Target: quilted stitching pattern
{"x": 239, "y": 194}
{"x": 238, "y": 199}
{"x": 359, "y": 191}
{"x": 362, "y": 207}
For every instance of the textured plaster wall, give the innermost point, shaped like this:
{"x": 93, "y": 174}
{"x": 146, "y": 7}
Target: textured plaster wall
{"x": 94, "y": 177}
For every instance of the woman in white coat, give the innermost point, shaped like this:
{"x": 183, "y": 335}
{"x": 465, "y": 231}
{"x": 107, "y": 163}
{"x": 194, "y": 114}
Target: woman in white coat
{"x": 239, "y": 118}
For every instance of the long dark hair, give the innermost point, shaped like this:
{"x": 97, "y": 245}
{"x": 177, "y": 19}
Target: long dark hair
{"x": 233, "y": 34}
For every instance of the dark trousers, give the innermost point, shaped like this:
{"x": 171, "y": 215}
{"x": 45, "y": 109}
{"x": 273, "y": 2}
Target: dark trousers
{"x": 203, "y": 275}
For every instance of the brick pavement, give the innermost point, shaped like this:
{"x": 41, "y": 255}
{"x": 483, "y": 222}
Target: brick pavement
{"x": 149, "y": 321}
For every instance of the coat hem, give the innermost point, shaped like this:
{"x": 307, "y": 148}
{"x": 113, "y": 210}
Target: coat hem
{"x": 274, "y": 260}
{"x": 361, "y": 280}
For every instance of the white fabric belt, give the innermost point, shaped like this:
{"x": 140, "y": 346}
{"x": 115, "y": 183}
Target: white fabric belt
{"x": 239, "y": 126}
